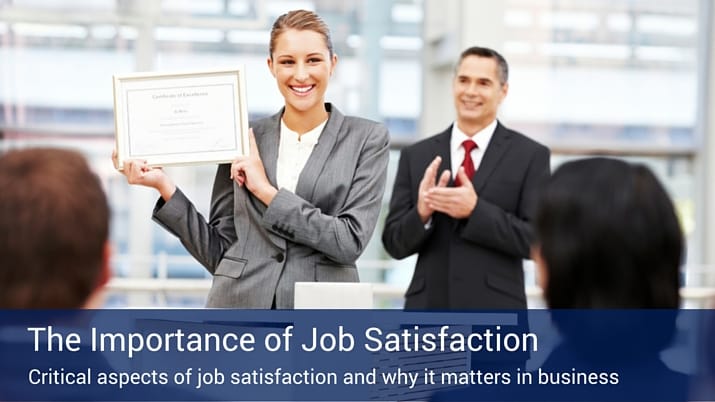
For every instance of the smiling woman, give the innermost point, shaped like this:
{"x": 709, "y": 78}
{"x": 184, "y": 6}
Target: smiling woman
{"x": 302, "y": 205}
{"x": 302, "y": 61}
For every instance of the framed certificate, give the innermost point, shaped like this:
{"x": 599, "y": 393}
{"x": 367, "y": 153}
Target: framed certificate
{"x": 181, "y": 118}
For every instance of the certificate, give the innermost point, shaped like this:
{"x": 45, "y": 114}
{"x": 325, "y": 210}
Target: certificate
{"x": 181, "y": 118}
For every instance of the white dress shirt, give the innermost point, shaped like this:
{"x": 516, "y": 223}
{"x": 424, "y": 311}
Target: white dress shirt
{"x": 482, "y": 139}
{"x": 293, "y": 153}
{"x": 456, "y": 150}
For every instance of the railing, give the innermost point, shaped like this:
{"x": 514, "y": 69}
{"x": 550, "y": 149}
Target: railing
{"x": 163, "y": 286}
{"x": 386, "y": 296}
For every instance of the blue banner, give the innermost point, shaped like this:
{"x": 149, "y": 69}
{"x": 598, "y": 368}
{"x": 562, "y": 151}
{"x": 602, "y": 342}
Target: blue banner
{"x": 353, "y": 355}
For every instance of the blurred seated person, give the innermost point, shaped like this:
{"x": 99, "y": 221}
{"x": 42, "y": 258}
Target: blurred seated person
{"x": 54, "y": 251}
{"x": 608, "y": 238}
{"x": 608, "y": 252}
{"x": 54, "y": 231}
{"x": 54, "y": 254}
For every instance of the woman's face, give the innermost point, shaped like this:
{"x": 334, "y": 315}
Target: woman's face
{"x": 302, "y": 66}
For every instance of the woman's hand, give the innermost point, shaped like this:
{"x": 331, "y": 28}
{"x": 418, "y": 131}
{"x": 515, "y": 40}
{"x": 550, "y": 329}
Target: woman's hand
{"x": 249, "y": 171}
{"x": 139, "y": 172}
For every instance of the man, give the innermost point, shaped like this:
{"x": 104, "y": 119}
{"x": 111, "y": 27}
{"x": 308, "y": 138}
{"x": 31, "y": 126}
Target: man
{"x": 54, "y": 231}
{"x": 471, "y": 233}
{"x": 54, "y": 254}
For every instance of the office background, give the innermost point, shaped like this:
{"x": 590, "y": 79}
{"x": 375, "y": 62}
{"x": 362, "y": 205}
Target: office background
{"x": 633, "y": 79}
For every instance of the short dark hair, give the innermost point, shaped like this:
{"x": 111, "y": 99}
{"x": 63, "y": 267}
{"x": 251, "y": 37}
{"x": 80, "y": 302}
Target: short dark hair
{"x": 502, "y": 66}
{"x": 609, "y": 236}
{"x": 54, "y": 225}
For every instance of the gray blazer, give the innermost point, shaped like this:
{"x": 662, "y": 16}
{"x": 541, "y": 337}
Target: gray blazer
{"x": 255, "y": 252}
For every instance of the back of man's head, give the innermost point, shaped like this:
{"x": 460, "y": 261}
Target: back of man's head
{"x": 54, "y": 227}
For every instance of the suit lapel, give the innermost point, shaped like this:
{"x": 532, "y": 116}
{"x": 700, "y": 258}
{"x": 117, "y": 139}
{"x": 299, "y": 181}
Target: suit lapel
{"x": 442, "y": 148}
{"x": 268, "y": 143}
{"x": 320, "y": 154}
{"x": 495, "y": 150}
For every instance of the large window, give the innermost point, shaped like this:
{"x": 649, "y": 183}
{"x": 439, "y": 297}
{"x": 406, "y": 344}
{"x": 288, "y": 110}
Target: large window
{"x": 618, "y": 78}
{"x": 57, "y": 59}
{"x": 588, "y": 77}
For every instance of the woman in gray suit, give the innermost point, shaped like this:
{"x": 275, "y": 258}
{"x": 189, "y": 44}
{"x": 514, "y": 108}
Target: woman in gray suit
{"x": 303, "y": 204}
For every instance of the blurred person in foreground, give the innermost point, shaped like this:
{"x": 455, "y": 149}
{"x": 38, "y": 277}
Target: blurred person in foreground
{"x": 608, "y": 253}
{"x": 54, "y": 231}
{"x": 608, "y": 238}
{"x": 54, "y": 255}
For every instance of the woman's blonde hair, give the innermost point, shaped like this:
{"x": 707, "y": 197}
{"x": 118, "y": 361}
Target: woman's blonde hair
{"x": 301, "y": 20}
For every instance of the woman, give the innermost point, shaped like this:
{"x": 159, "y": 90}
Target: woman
{"x": 303, "y": 204}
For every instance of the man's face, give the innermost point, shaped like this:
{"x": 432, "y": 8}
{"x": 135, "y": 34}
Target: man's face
{"x": 478, "y": 92}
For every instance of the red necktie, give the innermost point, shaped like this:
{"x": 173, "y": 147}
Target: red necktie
{"x": 467, "y": 163}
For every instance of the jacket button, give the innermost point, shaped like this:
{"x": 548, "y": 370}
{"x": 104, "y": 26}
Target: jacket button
{"x": 279, "y": 257}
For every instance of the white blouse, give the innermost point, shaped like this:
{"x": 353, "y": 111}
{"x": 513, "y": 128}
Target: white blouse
{"x": 293, "y": 153}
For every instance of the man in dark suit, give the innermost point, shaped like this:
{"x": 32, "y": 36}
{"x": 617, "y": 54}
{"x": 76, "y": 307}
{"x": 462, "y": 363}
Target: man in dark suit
{"x": 471, "y": 230}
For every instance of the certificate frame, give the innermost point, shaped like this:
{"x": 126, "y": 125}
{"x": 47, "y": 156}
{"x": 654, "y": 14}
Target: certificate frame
{"x": 181, "y": 118}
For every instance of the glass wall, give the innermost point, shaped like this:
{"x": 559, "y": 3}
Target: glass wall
{"x": 588, "y": 77}
{"x": 57, "y": 59}
{"x": 618, "y": 78}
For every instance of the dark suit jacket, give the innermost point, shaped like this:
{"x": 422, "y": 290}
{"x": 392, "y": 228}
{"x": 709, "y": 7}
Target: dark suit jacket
{"x": 476, "y": 262}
